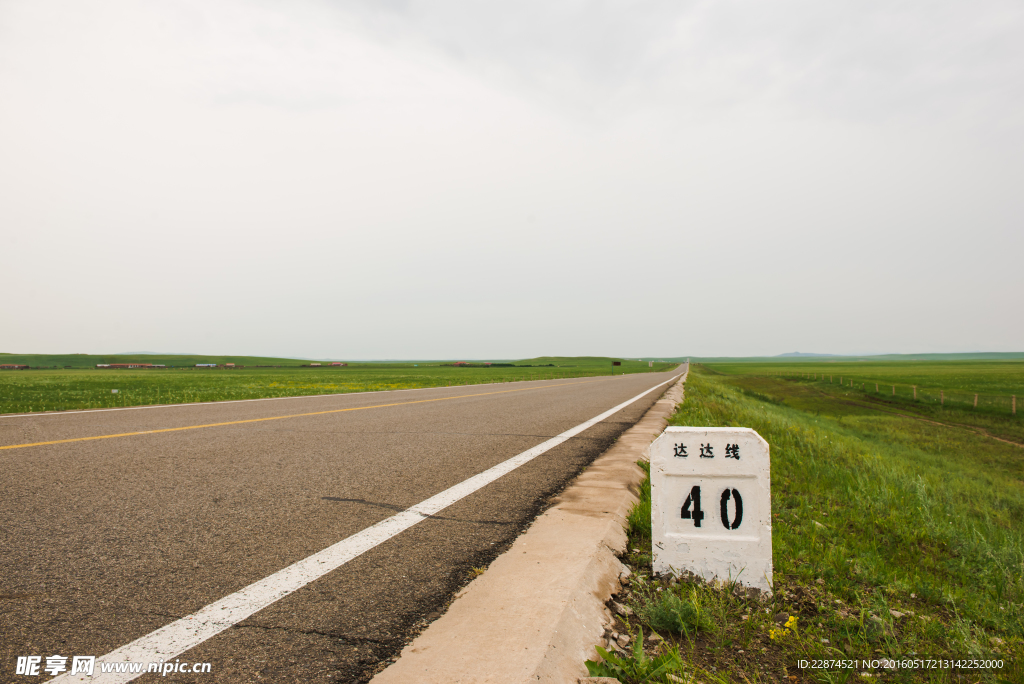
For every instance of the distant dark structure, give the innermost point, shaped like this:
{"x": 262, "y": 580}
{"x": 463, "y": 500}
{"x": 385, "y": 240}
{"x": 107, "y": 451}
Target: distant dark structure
{"x": 12, "y": 366}
{"x": 126, "y": 365}
{"x": 616, "y": 363}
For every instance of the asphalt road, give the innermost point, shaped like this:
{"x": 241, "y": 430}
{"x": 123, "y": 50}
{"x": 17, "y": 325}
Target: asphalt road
{"x": 105, "y": 540}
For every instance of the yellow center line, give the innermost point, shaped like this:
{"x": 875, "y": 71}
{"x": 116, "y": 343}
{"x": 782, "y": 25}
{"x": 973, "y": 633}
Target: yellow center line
{"x": 293, "y": 415}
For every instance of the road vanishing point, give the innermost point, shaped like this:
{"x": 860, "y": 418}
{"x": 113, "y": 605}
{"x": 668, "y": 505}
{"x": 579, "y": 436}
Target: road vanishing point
{"x": 300, "y": 539}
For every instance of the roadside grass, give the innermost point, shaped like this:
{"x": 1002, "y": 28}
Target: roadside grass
{"x": 73, "y": 389}
{"x": 893, "y": 539}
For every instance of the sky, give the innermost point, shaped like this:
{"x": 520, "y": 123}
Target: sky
{"x": 401, "y": 179}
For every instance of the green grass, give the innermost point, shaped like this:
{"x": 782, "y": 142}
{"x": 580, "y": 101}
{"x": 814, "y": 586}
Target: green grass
{"x": 73, "y": 389}
{"x": 968, "y": 356}
{"x": 873, "y": 512}
{"x": 800, "y": 360}
{"x": 961, "y": 378}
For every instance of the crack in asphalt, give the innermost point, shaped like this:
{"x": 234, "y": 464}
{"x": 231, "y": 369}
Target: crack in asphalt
{"x": 164, "y": 615}
{"x": 393, "y": 507}
{"x": 18, "y": 597}
{"x": 430, "y": 432}
{"x": 345, "y": 639}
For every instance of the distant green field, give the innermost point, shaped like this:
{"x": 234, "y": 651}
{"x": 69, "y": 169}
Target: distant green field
{"x": 62, "y": 390}
{"x": 949, "y": 385}
{"x": 990, "y": 377}
{"x": 825, "y": 358}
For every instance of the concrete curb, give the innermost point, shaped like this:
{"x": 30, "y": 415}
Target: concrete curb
{"x": 538, "y": 611}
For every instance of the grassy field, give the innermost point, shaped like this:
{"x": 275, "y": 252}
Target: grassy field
{"x": 896, "y": 535}
{"x": 826, "y": 358}
{"x": 70, "y": 389}
{"x": 986, "y": 377}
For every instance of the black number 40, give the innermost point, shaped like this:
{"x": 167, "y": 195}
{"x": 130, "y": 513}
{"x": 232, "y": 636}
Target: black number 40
{"x": 691, "y": 508}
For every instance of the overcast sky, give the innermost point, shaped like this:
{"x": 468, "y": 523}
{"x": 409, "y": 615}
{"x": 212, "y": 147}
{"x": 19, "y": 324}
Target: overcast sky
{"x": 503, "y": 180}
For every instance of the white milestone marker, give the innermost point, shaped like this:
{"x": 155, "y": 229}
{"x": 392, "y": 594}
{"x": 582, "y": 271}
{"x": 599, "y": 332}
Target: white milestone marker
{"x": 711, "y": 504}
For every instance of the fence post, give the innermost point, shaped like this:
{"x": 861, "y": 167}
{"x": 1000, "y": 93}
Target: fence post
{"x": 975, "y": 401}
{"x": 894, "y": 390}
{"x": 876, "y": 388}
{"x": 1013, "y": 403}
{"x": 942, "y": 397}
{"x": 915, "y": 392}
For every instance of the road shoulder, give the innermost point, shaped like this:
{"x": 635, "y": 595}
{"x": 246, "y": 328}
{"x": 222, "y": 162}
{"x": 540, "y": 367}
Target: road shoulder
{"x": 538, "y": 610}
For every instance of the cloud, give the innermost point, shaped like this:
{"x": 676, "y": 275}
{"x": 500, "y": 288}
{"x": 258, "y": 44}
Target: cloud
{"x": 440, "y": 179}
{"x": 860, "y": 61}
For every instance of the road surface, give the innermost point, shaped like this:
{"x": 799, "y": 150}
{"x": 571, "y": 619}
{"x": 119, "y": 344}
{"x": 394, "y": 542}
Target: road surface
{"x": 110, "y": 535}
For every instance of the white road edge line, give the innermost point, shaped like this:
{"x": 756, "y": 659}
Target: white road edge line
{"x": 174, "y": 639}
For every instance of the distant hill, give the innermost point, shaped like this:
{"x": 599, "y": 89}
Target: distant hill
{"x": 799, "y": 354}
{"x": 90, "y": 360}
{"x": 179, "y": 360}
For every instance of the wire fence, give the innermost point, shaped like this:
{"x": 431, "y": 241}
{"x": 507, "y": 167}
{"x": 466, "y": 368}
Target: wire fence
{"x": 952, "y": 398}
